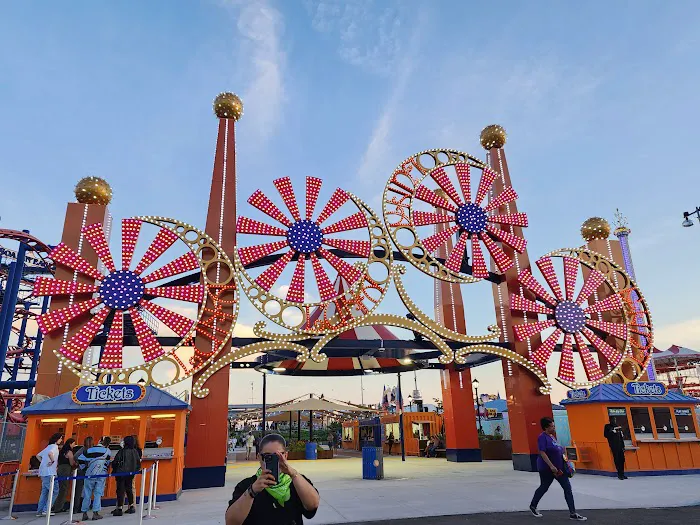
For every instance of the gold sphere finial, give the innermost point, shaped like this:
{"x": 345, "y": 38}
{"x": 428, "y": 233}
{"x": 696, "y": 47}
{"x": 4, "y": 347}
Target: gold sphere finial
{"x": 228, "y": 105}
{"x": 493, "y": 136}
{"x": 595, "y": 228}
{"x": 93, "y": 190}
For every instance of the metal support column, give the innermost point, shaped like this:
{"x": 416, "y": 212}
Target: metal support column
{"x": 264, "y": 403}
{"x": 400, "y": 407}
{"x": 36, "y": 354}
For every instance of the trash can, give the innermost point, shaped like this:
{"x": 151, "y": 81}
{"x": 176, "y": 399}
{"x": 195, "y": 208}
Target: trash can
{"x": 311, "y": 451}
{"x": 372, "y": 463}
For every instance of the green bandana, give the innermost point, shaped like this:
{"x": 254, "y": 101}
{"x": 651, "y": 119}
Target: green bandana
{"x": 280, "y": 491}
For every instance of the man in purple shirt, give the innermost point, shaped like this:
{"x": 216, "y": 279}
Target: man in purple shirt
{"x": 550, "y": 465}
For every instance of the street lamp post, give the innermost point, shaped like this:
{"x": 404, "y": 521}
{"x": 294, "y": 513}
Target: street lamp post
{"x": 410, "y": 403}
{"x": 478, "y": 412}
{"x": 687, "y": 221}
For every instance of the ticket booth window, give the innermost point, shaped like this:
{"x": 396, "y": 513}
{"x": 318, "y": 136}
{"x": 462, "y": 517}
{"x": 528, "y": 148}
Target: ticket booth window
{"x": 642, "y": 423}
{"x": 664, "y": 423}
{"x": 49, "y": 426}
{"x": 122, "y": 426}
{"x": 84, "y": 426}
{"x": 685, "y": 422}
{"x": 419, "y": 431}
{"x": 618, "y": 416}
{"x": 160, "y": 431}
{"x": 391, "y": 427}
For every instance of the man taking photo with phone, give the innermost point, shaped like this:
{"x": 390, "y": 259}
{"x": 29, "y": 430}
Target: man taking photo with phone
{"x": 276, "y": 494}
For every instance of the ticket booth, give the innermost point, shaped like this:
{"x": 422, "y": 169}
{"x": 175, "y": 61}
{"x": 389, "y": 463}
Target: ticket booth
{"x": 351, "y": 433}
{"x": 659, "y": 426}
{"x": 418, "y": 428}
{"x": 157, "y": 418}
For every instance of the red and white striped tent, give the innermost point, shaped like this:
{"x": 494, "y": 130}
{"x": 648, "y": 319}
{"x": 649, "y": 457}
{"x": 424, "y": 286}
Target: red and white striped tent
{"x": 346, "y": 365}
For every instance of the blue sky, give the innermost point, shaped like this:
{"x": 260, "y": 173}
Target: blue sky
{"x": 599, "y": 100}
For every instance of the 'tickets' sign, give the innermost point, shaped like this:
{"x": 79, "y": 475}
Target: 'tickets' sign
{"x": 99, "y": 394}
{"x": 578, "y": 395}
{"x": 649, "y": 388}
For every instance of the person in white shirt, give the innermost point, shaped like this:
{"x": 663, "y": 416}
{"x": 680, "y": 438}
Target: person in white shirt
{"x": 235, "y": 442}
{"x": 48, "y": 468}
{"x": 249, "y": 444}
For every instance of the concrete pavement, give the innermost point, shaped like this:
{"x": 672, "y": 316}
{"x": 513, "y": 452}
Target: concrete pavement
{"x": 423, "y": 487}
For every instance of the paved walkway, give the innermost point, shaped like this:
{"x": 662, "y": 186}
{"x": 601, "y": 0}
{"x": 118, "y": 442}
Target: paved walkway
{"x": 433, "y": 487}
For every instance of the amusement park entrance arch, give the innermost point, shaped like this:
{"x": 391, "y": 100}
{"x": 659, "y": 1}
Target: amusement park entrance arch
{"x": 437, "y": 217}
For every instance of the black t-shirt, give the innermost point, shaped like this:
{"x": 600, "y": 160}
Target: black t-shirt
{"x": 266, "y": 510}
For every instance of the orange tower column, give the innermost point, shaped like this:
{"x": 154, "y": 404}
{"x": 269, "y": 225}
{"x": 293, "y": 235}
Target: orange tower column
{"x": 458, "y": 403}
{"x": 526, "y": 406}
{"x": 205, "y": 456}
{"x": 51, "y": 379}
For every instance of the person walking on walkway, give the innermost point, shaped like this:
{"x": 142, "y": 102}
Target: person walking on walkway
{"x": 126, "y": 460}
{"x": 66, "y": 464}
{"x": 96, "y": 460}
{"x": 616, "y": 441}
{"x": 249, "y": 443}
{"x": 550, "y": 465}
{"x": 263, "y": 500}
{"x": 48, "y": 468}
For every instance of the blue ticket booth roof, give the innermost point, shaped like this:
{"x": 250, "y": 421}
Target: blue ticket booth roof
{"x": 613, "y": 393}
{"x": 153, "y": 400}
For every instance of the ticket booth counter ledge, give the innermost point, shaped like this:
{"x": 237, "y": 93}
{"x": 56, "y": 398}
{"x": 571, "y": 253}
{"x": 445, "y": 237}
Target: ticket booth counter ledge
{"x": 661, "y": 432}
{"x": 158, "y": 419}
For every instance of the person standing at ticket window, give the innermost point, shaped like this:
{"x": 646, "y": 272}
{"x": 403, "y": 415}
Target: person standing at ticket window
{"x": 616, "y": 441}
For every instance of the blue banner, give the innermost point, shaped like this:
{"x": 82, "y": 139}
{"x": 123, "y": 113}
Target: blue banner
{"x": 578, "y": 395}
{"x": 648, "y": 388}
{"x": 100, "y": 394}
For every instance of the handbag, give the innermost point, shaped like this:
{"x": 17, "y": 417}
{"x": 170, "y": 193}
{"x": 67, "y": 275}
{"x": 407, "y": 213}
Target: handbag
{"x": 569, "y": 469}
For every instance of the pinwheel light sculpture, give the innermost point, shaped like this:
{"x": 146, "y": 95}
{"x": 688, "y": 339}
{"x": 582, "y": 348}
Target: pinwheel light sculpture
{"x": 575, "y": 319}
{"x": 120, "y": 292}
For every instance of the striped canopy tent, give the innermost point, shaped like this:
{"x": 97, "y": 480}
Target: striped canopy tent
{"x": 345, "y": 366}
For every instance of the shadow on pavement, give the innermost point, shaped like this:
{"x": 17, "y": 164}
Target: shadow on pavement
{"x": 668, "y": 516}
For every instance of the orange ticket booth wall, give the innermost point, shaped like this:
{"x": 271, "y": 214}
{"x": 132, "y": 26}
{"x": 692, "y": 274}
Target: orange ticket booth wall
{"x": 660, "y": 431}
{"x": 158, "y": 419}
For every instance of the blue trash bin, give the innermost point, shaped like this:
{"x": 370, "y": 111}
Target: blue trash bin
{"x": 372, "y": 463}
{"x": 311, "y": 451}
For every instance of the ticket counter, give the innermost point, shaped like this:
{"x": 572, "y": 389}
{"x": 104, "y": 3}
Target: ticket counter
{"x": 157, "y": 418}
{"x": 659, "y": 426}
{"x": 418, "y": 428}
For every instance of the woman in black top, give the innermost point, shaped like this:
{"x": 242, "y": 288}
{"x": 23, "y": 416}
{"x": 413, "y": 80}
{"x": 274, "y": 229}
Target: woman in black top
{"x": 263, "y": 500}
{"x": 66, "y": 464}
{"x": 127, "y": 460}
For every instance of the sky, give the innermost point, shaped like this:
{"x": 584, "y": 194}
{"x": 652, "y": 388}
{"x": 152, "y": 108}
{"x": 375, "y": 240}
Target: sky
{"x": 599, "y": 100}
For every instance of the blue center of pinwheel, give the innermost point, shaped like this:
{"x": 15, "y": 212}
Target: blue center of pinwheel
{"x": 569, "y": 316}
{"x": 305, "y": 236}
{"x": 471, "y": 218}
{"x": 121, "y": 289}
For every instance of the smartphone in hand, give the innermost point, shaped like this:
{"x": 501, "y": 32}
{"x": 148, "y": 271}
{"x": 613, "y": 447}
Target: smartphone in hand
{"x": 272, "y": 463}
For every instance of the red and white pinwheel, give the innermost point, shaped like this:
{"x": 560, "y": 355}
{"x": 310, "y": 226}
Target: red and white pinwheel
{"x": 303, "y": 238}
{"x": 577, "y": 321}
{"x": 474, "y": 221}
{"x": 121, "y": 291}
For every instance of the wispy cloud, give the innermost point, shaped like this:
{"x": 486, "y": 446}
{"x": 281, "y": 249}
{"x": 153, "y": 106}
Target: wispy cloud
{"x": 378, "y": 154}
{"x": 261, "y": 28}
{"x": 368, "y": 33}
